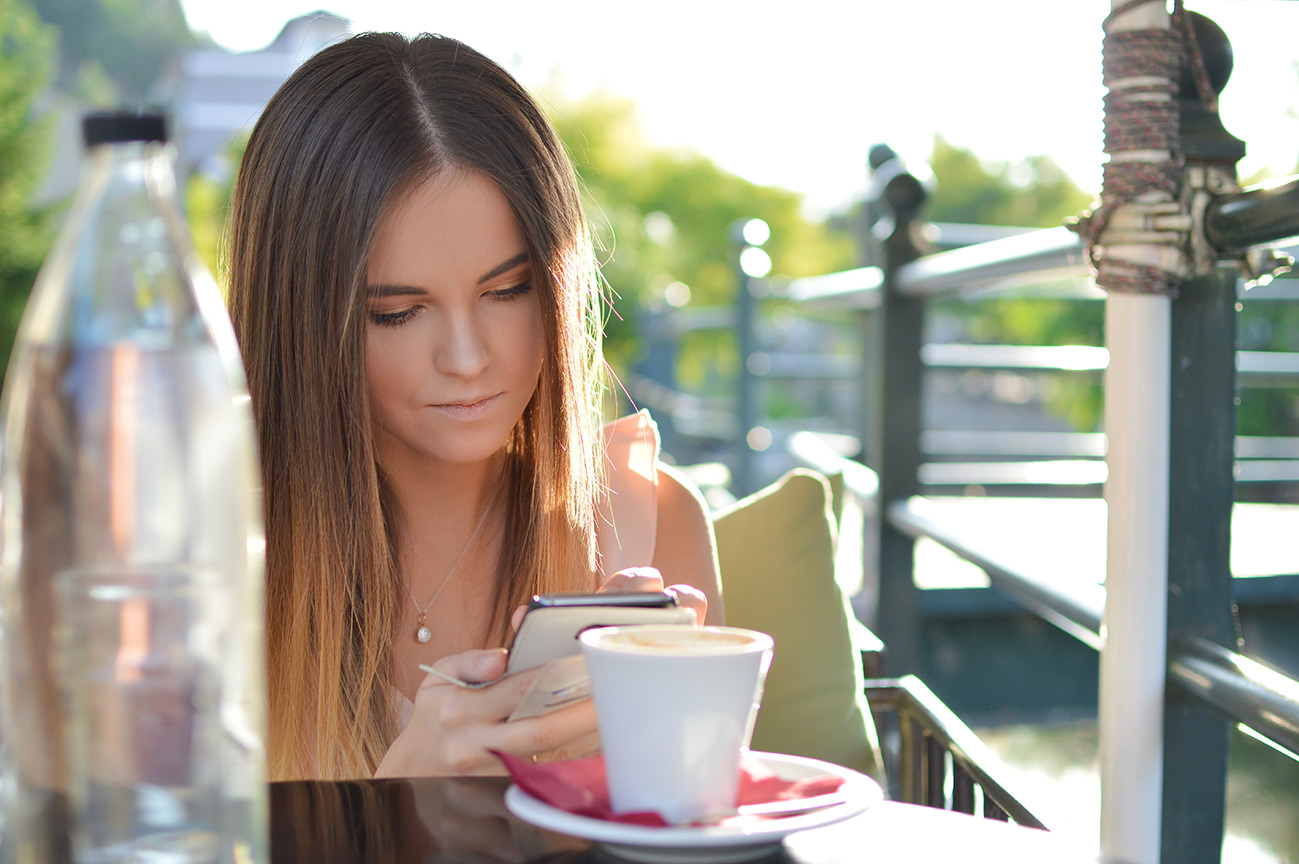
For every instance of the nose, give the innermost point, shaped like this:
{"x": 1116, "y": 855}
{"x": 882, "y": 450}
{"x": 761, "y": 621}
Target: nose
{"x": 463, "y": 350}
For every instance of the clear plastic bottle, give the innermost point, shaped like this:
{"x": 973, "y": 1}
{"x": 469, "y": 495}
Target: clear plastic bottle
{"x": 133, "y": 649}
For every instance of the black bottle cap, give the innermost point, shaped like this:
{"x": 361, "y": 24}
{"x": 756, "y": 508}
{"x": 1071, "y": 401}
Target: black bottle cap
{"x": 112, "y": 127}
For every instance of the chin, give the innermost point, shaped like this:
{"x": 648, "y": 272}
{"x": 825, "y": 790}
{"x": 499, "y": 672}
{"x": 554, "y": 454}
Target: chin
{"x": 466, "y": 447}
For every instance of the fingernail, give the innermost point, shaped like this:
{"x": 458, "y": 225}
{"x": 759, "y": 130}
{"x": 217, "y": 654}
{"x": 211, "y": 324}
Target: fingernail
{"x": 489, "y": 663}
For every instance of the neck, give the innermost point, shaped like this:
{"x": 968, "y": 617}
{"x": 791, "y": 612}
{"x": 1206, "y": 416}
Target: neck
{"x": 438, "y": 507}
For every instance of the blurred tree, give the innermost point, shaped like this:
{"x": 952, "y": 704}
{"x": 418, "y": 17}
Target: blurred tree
{"x": 207, "y": 209}
{"x": 662, "y": 217}
{"x": 26, "y": 60}
{"x": 113, "y": 50}
{"x": 1034, "y": 193}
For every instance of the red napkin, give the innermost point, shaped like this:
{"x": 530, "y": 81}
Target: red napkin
{"x": 578, "y": 786}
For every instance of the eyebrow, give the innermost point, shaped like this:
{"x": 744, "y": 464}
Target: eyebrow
{"x": 410, "y": 290}
{"x": 504, "y": 267}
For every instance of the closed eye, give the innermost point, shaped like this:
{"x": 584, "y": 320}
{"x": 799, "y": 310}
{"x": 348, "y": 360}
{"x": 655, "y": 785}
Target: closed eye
{"x": 394, "y": 319}
{"x": 514, "y": 292}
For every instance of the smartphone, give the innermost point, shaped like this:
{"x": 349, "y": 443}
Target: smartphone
{"x": 553, "y": 622}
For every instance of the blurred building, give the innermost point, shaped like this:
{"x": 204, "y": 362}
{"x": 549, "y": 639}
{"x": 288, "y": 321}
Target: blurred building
{"x": 211, "y": 95}
{"x": 214, "y": 96}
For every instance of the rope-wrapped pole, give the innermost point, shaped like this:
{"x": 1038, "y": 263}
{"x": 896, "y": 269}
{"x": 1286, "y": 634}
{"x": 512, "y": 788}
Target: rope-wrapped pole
{"x": 1140, "y": 258}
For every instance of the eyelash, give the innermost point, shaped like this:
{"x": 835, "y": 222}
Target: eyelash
{"x": 397, "y": 319}
{"x": 514, "y": 292}
{"x": 392, "y": 319}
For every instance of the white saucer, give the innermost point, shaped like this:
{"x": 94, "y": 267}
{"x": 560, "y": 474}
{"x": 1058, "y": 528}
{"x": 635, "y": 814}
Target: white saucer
{"x": 716, "y": 844}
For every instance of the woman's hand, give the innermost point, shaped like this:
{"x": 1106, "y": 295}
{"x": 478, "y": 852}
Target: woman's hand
{"x": 453, "y": 728}
{"x": 650, "y": 579}
{"x": 646, "y": 579}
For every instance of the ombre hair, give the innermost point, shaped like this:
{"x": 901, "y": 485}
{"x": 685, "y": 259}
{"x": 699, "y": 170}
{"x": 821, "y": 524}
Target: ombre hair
{"x": 357, "y": 127}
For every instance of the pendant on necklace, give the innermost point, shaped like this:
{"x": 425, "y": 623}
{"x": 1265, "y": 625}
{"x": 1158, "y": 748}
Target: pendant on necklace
{"x": 423, "y": 634}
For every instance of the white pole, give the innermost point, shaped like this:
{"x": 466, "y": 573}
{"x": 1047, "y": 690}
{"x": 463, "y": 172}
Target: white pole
{"x": 1133, "y": 654}
{"x": 1134, "y": 632}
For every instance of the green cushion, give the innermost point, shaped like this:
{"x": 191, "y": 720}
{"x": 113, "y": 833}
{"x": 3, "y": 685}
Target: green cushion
{"x": 776, "y": 551}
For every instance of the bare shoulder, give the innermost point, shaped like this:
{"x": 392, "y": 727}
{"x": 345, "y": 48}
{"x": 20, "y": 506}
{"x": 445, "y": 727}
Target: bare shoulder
{"x": 684, "y": 549}
{"x": 680, "y": 497}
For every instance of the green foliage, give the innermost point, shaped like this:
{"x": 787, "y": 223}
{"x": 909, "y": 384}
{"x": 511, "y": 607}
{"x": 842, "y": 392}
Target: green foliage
{"x": 663, "y": 217}
{"x": 207, "y": 210}
{"x": 125, "y": 43}
{"x": 1034, "y": 193}
{"x": 26, "y": 58}
{"x": 1268, "y": 325}
{"x": 206, "y": 207}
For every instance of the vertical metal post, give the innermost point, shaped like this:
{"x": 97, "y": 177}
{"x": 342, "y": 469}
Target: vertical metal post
{"x": 1202, "y": 435}
{"x": 874, "y": 213}
{"x": 746, "y": 409}
{"x": 1202, "y": 432}
{"x": 901, "y": 194}
{"x": 751, "y": 264}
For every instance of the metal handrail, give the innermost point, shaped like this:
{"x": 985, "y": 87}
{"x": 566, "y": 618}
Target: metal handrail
{"x": 848, "y": 289}
{"x": 1049, "y": 253}
{"x": 1258, "y": 366}
{"x": 1257, "y": 216}
{"x": 1262, "y": 699}
{"x": 1078, "y": 611}
{"x": 1072, "y": 445}
{"x": 1245, "y": 690}
{"x": 1043, "y": 358}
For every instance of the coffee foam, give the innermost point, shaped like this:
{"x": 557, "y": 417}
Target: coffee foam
{"x": 676, "y": 640}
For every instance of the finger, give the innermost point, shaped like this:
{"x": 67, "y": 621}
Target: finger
{"x": 587, "y": 745}
{"x": 455, "y": 707}
{"x": 634, "y": 579}
{"x": 690, "y": 597}
{"x": 469, "y": 666}
{"x": 548, "y": 732}
{"x": 517, "y": 618}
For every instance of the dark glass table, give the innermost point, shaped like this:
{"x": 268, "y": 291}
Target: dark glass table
{"x": 464, "y": 820}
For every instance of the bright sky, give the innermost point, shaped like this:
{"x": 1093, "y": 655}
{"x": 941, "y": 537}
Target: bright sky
{"x": 793, "y": 93}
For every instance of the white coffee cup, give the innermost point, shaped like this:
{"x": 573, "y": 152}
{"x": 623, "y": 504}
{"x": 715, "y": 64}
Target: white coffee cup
{"x": 676, "y": 706}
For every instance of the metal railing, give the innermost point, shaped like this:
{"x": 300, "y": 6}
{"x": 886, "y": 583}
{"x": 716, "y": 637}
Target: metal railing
{"x": 1203, "y": 668}
{"x": 1208, "y": 685}
{"x": 933, "y": 758}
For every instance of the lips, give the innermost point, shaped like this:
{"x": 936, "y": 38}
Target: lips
{"x": 469, "y": 409}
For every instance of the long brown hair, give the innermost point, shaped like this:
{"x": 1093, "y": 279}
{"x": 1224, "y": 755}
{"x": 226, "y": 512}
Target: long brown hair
{"x": 352, "y": 130}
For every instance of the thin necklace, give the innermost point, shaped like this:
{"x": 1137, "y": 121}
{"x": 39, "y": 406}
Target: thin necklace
{"x": 422, "y": 633}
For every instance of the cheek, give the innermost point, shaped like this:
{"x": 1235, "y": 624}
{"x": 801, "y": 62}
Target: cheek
{"x": 538, "y": 343}
{"x": 536, "y": 350}
{"x": 383, "y": 375}
{"x": 523, "y": 340}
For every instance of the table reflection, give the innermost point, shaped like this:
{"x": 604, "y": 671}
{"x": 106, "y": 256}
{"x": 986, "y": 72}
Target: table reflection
{"x": 458, "y": 819}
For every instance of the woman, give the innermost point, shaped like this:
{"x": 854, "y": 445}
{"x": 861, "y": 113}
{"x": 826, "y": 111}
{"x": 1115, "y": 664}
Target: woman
{"x": 413, "y": 288}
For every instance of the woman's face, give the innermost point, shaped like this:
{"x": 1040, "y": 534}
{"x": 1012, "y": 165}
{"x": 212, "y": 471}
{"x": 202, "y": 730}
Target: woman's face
{"x": 453, "y": 332}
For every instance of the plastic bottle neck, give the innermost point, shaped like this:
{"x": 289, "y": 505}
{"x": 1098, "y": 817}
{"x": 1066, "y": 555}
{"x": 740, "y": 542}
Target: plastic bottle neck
{"x": 147, "y": 165}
